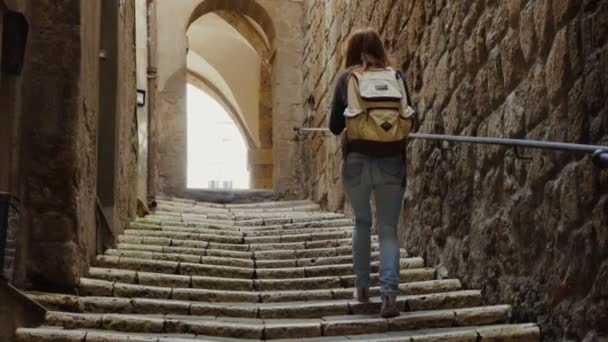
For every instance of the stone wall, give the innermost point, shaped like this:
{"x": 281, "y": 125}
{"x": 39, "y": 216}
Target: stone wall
{"x": 141, "y": 43}
{"x": 128, "y": 142}
{"x": 58, "y": 146}
{"x": 17, "y": 311}
{"x": 59, "y": 151}
{"x": 4, "y": 120}
{"x": 533, "y": 233}
{"x": 10, "y": 104}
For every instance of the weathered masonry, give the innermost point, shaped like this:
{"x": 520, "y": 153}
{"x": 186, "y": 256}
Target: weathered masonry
{"x": 263, "y": 96}
{"x": 532, "y": 232}
{"x": 93, "y": 127}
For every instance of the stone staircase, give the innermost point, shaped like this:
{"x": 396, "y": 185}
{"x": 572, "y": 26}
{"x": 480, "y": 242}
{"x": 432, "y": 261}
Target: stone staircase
{"x": 278, "y": 270}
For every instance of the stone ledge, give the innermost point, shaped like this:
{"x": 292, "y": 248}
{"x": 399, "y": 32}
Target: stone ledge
{"x": 515, "y": 332}
{"x": 254, "y": 328}
{"x": 231, "y": 197}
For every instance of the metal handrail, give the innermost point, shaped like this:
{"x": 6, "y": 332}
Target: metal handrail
{"x": 599, "y": 153}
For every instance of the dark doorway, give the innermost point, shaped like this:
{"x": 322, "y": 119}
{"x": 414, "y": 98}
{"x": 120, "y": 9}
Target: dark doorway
{"x": 107, "y": 136}
{"x": 13, "y": 38}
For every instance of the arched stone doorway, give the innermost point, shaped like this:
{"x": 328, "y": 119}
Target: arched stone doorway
{"x": 230, "y": 55}
{"x": 250, "y": 106}
{"x": 277, "y": 42}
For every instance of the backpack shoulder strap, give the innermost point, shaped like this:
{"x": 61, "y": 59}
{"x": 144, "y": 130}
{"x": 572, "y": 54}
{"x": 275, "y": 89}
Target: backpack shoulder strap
{"x": 407, "y": 92}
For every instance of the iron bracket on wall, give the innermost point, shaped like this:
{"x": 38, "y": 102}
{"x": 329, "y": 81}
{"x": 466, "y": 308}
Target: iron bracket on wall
{"x": 600, "y": 158}
{"x": 520, "y": 155}
{"x": 598, "y": 153}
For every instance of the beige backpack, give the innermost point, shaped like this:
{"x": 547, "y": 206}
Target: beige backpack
{"x": 378, "y": 106}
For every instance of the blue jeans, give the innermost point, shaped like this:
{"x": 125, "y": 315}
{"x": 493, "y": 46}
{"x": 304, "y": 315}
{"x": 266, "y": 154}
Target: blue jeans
{"x": 363, "y": 175}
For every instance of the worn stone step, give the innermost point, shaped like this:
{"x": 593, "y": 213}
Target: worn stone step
{"x": 228, "y": 223}
{"x": 235, "y": 207}
{"x": 227, "y": 229}
{"x": 297, "y": 228}
{"x": 512, "y": 332}
{"x": 174, "y": 267}
{"x": 126, "y": 290}
{"x": 301, "y": 207}
{"x": 264, "y": 220}
{"x": 212, "y": 212}
{"x": 241, "y": 260}
{"x": 251, "y": 263}
{"x": 279, "y": 328}
{"x": 193, "y": 210}
{"x": 180, "y": 203}
{"x": 222, "y": 283}
{"x": 225, "y": 271}
{"x": 332, "y": 260}
{"x": 185, "y": 250}
{"x": 280, "y": 215}
{"x": 177, "y": 200}
{"x": 300, "y": 225}
{"x": 177, "y": 257}
{"x": 304, "y": 307}
{"x": 262, "y": 232}
{"x": 498, "y": 332}
{"x": 270, "y": 256}
{"x": 223, "y": 225}
{"x": 276, "y": 207}
{"x": 292, "y": 309}
{"x": 275, "y": 214}
{"x": 284, "y": 237}
{"x": 274, "y": 204}
{"x": 228, "y": 239}
{"x": 205, "y": 230}
{"x": 289, "y": 247}
{"x": 155, "y": 285}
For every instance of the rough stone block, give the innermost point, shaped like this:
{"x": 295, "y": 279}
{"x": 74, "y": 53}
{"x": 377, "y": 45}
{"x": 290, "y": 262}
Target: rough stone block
{"x": 130, "y": 291}
{"x": 223, "y": 310}
{"x": 132, "y": 323}
{"x": 74, "y": 321}
{"x": 354, "y": 326}
{"x": 275, "y": 329}
{"x": 92, "y": 287}
{"x": 163, "y": 280}
{"x": 160, "y": 306}
{"x": 422, "y": 320}
{"x": 104, "y": 305}
{"x": 482, "y": 315}
{"x": 558, "y": 68}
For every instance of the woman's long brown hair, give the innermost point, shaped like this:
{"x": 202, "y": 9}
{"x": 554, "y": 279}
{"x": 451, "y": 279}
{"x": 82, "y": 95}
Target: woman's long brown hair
{"x": 365, "y": 49}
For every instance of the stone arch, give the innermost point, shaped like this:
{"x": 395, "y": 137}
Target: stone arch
{"x": 258, "y": 39}
{"x": 249, "y": 8}
{"x": 254, "y": 24}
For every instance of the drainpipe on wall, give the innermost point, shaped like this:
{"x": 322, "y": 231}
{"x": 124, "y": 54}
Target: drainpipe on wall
{"x": 152, "y": 75}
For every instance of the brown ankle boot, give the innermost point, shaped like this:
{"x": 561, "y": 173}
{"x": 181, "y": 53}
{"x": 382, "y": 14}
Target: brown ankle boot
{"x": 389, "y": 307}
{"x": 362, "y": 294}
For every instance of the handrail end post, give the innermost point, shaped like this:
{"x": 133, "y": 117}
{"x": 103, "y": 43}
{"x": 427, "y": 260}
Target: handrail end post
{"x": 600, "y": 158}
